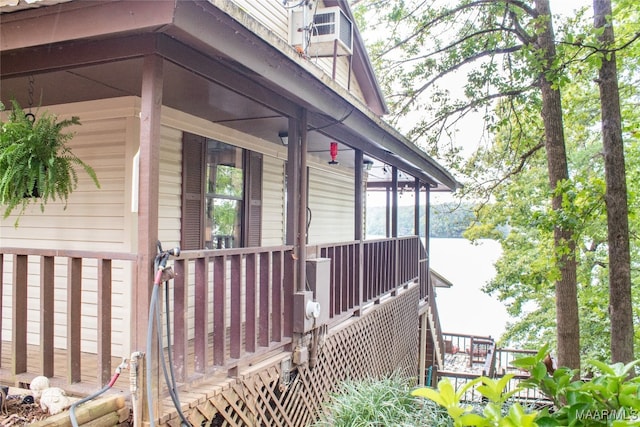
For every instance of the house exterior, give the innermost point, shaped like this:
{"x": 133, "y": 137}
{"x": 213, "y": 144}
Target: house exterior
{"x": 224, "y": 128}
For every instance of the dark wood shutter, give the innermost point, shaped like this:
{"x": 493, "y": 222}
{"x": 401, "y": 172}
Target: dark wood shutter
{"x": 193, "y": 163}
{"x": 254, "y": 198}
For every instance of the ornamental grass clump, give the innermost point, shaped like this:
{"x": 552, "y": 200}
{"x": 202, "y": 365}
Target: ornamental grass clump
{"x": 380, "y": 402}
{"x": 36, "y": 165}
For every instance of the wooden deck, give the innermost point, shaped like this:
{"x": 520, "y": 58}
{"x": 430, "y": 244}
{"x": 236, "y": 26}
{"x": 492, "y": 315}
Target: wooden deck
{"x": 230, "y": 309}
{"x": 88, "y": 371}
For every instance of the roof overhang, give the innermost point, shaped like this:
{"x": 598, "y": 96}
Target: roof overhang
{"x": 244, "y": 55}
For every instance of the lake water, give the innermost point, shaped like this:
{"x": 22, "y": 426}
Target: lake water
{"x": 464, "y": 308}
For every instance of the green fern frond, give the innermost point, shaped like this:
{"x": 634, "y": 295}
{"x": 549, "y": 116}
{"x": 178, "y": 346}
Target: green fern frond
{"x": 34, "y": 155}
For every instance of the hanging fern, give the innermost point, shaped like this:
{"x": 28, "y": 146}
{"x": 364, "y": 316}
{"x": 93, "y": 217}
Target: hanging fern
{"x": 35, "y": 163}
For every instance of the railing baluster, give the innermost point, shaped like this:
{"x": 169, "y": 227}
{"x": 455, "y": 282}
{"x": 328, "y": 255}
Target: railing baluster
{"x": 250, "y": 304}
{"x": 74, "y": 320}
{"x": 287, "y": 286}
{"x": 264, "y": 333}
{"x": 235, "y": 327}
{"x": 104, "y": 321}
{"x": 219, "y": 315}
{"x": 343, "y": 262}
{"x": 19, "y": 324}
{"x": 180, "y": 304}
{"x": 47, "y": 301}
{"x": 201, "y": 314}
{"x": 276, "y": 296}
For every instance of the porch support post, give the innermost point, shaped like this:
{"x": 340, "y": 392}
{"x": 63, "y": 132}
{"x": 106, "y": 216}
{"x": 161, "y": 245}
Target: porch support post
{"x": 387, "y": 212}
{"x": 293, "y": 182}
{"x": 416, "y": 200}
{"x": 302, "y": 211}
{"x": 359, "y": 192}
{"x": 394, "y": 229}
{"x": 422, "y": 351}
{"x": 427, "y": 231}
{"x": 359, "y": 224}
{"x": 394, "y": 202}
{"x": 151, "y": 102}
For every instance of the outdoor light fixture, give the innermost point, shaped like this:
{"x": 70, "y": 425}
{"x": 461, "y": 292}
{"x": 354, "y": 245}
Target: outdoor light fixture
{"x": 367, "y": 164}
{"x": 284, "y": 138}
{"x": 334, "y": 153}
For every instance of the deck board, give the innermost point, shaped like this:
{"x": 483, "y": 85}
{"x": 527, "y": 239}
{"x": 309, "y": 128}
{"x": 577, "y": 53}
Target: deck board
{"x": 88, "y": 366}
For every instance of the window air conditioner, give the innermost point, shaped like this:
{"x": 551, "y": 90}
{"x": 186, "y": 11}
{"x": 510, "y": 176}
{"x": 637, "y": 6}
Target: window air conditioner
{"x": 327, "y": 26}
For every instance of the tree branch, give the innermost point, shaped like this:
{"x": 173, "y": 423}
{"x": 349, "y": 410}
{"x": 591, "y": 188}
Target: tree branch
{"x": 457, "y": 66}
{"x": 452, "y": 12}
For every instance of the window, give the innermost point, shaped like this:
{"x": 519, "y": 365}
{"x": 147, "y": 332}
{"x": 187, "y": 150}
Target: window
{"x": 221, "y": 195}
{"x": 224, "y": 195}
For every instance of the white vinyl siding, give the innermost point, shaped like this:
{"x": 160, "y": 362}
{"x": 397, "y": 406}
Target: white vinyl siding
{"x": 270, "y": 13}
{"x": 275, "y": 17}
{"x": 331, "y": 195}
{"x": 170, "y": 201}
{"x": 273, "y": 202}
{"x": 93, "y": 220}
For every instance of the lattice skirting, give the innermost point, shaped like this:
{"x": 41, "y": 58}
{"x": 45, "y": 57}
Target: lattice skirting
{"x": 382, "y": 341}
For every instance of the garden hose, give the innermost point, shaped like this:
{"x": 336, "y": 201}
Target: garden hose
{"x": 72, "y": 409}
{"x": 160, "y": 263}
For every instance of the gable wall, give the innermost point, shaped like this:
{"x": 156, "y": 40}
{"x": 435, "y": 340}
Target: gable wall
{"x": 273, "y": 15}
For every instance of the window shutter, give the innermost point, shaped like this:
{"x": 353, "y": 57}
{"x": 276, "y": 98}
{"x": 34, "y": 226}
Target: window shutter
{"x": 254, "y": 197}
{"x": 193, "y": 154}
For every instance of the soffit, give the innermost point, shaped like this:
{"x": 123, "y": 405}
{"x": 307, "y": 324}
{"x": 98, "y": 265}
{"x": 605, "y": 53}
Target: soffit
{"x": 102, "y": 63}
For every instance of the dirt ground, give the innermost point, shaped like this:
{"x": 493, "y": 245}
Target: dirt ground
{"x": 18, "y": 413}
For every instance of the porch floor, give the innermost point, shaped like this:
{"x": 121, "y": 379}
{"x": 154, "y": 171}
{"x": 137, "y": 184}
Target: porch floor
{"x": 89, "y": 371}
{"x": 191, "y": 395}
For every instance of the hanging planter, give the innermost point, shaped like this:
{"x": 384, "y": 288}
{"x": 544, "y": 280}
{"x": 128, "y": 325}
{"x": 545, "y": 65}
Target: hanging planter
{"x": 35, "y": 163}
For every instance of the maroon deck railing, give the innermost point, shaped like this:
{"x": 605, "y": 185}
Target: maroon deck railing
{"x": 387, "y": 264}
{"x": 227, "y": 305}
{"x": 31, "y": 269}
{"x": 241, "y": 300}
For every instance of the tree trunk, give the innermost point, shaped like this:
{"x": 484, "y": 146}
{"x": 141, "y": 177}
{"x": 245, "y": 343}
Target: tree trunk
{"x": 568, "y": 329}
{"x": 620, "y": 310}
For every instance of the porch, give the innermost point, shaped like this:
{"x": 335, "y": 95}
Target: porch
{"x": 230, "y": 309}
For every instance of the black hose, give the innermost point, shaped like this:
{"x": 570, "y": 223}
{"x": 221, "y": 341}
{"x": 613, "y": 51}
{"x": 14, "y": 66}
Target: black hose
{"x": 155, "y": 314}
{"x": 171, "y": 385}
{"x": 152, "y": 310}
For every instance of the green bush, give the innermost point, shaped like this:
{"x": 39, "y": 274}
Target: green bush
{"x": 380, "y": 402}
{"x": 610, "y": 398}
{"x": 492, "y": 413}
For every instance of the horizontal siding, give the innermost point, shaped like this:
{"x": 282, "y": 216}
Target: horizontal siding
{"x": 170, "y": 201}
{"x": 84, "y": 223}
{"x": 93, "y": 220}
{"x": 274, "y": 16}
{"x": 273, "y": 203}
{"x": 331, "y": 195}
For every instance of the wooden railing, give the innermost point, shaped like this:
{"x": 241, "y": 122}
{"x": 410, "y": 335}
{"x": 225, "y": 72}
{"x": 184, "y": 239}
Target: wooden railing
{"x": 241, "y": 301}
{"x": 33, "y": 277}
{"x": 480, "y": 356}
{"x": 387, "y": 265}
{"x": 227, "y": 306}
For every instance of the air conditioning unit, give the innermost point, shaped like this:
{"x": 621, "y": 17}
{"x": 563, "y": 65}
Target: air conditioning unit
{"x": 327, "y": 28}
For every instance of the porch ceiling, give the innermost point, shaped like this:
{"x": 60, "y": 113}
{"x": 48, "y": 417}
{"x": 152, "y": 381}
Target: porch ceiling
{"x": 200, "y": 78}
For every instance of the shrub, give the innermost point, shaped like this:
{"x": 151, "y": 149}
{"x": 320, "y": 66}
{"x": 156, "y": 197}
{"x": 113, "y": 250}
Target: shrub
{"x": 380, "y": 402}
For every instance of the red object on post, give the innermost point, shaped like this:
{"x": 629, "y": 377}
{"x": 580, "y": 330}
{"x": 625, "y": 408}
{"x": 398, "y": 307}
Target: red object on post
{"x": 334, "y": 153}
